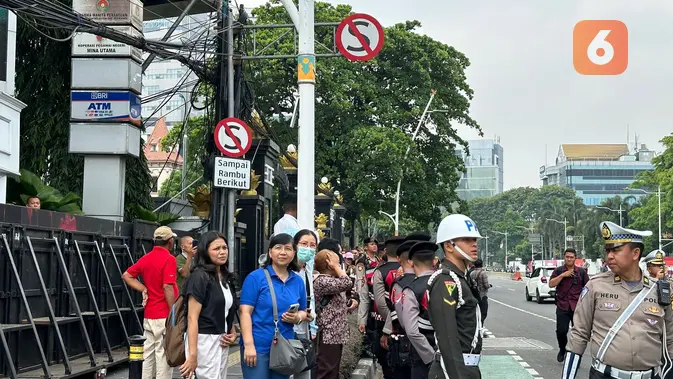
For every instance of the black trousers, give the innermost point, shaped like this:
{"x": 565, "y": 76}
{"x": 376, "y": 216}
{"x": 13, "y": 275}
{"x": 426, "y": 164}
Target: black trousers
{"x": 563, "y": 320}
{"x": 419, "y": 370}
{"x": 483, "y": 306}
{"x": 470, "y": 372}
{"x": 593, "y": 374}
{"x": 380, "y": 353}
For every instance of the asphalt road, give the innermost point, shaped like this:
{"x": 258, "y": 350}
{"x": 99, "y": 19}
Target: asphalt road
{"x": 511, "y": 316}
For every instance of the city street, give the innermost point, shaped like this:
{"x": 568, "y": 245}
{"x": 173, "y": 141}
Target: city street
{"x": 524, "y": 330}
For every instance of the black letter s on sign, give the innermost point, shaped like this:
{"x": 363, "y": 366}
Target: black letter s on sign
{"x": 364, "y": 37}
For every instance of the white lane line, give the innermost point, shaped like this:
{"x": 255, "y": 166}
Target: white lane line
{"x": 525, "y": 365}
{"x": 522, "y": 310}
{"x": 498, "y": 286}
{"x": 511, "y": 289}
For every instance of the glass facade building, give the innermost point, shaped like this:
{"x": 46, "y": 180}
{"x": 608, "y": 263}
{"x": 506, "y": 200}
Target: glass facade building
{"x": 598, "y": 172}
{"x": 484, "y": 169}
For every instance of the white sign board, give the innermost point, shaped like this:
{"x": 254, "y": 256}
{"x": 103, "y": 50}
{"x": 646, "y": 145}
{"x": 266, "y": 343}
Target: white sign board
{"x": 231, "y": 173}
{"x": 111, "y": 12}
{"x": 268, "y": 174}
{"x": 91, "y": 45}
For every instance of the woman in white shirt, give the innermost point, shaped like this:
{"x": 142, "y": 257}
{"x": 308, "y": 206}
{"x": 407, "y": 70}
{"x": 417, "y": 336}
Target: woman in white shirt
{"x": 211, "y": 306}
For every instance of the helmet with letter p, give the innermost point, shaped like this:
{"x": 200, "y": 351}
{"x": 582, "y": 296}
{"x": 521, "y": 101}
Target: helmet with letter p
{"x": 457, "y": 226}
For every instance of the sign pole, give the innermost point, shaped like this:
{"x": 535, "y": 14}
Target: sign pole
{"x": 231, "y": 194}
{"x": 306, "y": 84}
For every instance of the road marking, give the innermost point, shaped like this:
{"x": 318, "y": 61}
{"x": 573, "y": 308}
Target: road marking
{"x": 522, "y": 310}
{"x": 498, "y": 286}
{"x": 511, "y": 289}
{"x": 488, "y": 334}
{"x": 525, "y": 365}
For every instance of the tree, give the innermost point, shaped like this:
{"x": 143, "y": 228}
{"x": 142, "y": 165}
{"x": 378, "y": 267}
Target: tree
{"x": 43, "y": 83}
{"x": 645, "y": 217}
{"x": 365, "y": 113}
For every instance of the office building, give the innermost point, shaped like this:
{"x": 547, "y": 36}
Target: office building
{"x": 598, "y": 171}
{"x": 484, "y": 169}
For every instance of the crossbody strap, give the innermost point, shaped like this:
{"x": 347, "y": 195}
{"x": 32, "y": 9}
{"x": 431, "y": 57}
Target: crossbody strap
{"x": 620, "y": 322}
{"x": 273, "y": 298}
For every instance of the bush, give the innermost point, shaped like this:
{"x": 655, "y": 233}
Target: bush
{"x": 351, "y": 350}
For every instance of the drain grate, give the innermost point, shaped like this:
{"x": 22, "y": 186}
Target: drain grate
{"x": 512, "y": 343}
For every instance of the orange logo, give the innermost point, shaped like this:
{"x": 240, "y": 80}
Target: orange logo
{"x": 600, "y": 47}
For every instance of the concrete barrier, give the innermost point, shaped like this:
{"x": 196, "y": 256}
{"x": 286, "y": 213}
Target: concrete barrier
{"x": 366, "y": 369}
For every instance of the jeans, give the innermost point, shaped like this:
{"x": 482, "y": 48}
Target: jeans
{"x": 261, "y": 370}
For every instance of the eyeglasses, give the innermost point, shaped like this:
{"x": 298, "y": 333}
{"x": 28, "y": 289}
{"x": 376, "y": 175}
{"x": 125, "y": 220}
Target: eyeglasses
{"x": 285, "y": 248}
{"x": 312, "y": 245}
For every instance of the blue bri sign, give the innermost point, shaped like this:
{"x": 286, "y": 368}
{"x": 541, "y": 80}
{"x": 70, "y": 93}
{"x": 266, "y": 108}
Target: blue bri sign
{"x": 98, "y": 106}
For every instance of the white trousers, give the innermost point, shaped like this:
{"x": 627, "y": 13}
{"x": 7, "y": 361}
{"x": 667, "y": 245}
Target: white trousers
{"x": 154, "y": 356}
{"x": 211, "y": 357}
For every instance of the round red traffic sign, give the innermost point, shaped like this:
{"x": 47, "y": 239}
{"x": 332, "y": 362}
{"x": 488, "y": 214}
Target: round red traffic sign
{"x": 233, "y": 137}
{"x": 359, "y": 37}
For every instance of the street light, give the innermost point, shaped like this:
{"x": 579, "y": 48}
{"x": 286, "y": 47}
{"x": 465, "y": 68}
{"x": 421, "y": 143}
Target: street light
{"x": 565, "y": 231}
{"x": 658, "y": 193}
{"x": 620, "y": 210}
{"x": 486, "y": 260}
{"x": 504, "y": 234}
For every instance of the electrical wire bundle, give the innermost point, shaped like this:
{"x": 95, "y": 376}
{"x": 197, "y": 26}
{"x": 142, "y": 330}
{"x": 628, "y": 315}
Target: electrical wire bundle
{"x": 57, "y": 15}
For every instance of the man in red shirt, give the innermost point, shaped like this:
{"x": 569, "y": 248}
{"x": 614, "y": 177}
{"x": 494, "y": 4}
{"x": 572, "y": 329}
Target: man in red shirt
{"x": 158, "y": 268}
{"x": 568, "y": 281}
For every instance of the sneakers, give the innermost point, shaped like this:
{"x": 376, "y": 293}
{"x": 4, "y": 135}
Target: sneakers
{"x": 560, "y": 356}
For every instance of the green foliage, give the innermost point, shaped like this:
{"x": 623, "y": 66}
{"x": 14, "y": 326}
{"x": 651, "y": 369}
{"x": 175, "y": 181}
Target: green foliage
{"x": 197, "y": 132}
{"x": 30, "y": 185}
{"x": 365, "y": 113}
{"x": 43, "y": 83}
{"x": 161, "y": 218}
{"x": 645, "y": 217}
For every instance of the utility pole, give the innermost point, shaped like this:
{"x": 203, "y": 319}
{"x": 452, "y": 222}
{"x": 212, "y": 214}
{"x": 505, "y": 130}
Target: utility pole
{"x": 230, "y": 193}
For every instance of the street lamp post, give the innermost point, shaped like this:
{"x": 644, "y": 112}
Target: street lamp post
{"x": 504, "y": 234}
{"x": 613, "y": 210}
{"x": 486, "y": 260}
{"x": 565, "y": 231}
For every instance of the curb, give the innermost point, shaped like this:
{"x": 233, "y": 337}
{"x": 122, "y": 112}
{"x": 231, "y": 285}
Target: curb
{"x": 364, "y": 370}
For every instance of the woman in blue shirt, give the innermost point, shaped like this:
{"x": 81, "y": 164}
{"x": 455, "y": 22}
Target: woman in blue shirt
{"x": 256, "y": 309}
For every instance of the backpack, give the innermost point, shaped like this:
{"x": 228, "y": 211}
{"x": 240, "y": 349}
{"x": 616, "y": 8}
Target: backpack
{"x": 174, "y": 339}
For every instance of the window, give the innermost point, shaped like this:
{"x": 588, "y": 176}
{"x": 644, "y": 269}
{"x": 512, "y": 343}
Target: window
{"x": 154, "y": 147}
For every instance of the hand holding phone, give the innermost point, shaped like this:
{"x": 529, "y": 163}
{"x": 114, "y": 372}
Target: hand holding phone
{"x": 294, "y": 308}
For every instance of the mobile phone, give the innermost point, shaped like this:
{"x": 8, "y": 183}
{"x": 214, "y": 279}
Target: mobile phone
{"x": 294, "y": 308}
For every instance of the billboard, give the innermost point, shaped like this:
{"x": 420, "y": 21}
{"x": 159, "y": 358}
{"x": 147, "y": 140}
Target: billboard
{"x": 91, "y": 45}
{"x": 101, "y": 106}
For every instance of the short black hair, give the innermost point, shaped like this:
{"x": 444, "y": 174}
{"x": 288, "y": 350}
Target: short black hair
{"x": 570, "y": 250}
{"x": 329, "y": 244}
{"x": 290, "y": 202}
{"x": 637, "y": 245}
{"x": 478, "y": 263}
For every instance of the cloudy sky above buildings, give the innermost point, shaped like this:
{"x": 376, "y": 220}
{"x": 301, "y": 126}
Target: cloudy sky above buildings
{"x": 527, "y": 92}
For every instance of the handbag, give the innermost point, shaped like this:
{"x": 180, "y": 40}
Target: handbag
{"x": 287, "y": 357}
{"x": 311, "y": 354}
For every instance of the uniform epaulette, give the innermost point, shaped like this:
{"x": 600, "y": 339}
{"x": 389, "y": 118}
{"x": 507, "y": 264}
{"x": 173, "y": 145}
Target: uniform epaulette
{"x": 602, "y": 275}
{"x": 434, "y": 276}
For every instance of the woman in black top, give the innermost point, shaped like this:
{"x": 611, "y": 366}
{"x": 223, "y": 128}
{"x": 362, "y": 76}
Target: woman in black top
{"x": 211, "y": 306}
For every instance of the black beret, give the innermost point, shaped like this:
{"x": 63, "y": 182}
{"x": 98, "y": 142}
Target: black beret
{"x": 403, "y": 248}
{"x": 423, "y": 247}
{"x": 393, "y": 243}
{"x": 419, "y": 236}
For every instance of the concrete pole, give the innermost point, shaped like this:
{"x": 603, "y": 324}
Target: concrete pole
{"x": 306, "y": 83}
{"x": 659, "y": 213}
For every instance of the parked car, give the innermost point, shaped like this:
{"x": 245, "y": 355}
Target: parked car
{"x": 537, "y": 285}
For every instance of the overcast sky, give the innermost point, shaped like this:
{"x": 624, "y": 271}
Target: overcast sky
{"x": 526, "y": 90}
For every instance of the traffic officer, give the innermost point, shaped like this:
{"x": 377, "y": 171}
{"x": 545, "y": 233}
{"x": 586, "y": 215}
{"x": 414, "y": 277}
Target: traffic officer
{"x": 382, "y": 282}
{"x": 654, "y": 262}
{"x": 366, "y": 264}
{"x": 413, "y": 310}
{"x": 623, "y": 313}
{"x": 453, "y": 307}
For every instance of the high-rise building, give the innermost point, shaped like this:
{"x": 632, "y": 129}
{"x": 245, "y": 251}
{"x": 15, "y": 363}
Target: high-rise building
{"x": 484, "y": 169}
{"x": 598, "y": 171}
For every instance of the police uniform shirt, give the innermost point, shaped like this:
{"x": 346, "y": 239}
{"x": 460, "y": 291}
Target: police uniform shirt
{"x": 396, "y": 295}
{"x": 362, "y": 265}
{"x": 637, "y": 346}
{"x": 454, "y": 321}
{"x": 378, "y": 281}
{"x": 408, "y": 315}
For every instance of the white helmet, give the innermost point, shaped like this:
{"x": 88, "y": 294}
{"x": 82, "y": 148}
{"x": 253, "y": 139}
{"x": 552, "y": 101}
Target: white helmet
{"x": 456, "y": 226}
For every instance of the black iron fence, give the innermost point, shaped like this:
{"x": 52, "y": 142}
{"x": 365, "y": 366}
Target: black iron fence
{"x": 64, "y": 309}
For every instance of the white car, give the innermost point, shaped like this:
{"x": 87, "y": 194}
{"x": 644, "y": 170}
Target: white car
{"x": 537, "y": 285}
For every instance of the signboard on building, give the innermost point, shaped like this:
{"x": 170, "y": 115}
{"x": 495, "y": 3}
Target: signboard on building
{"x": 91, "y": 45}
{"x": 231, "y": 173}
{"x": 99, "y": 106}
{"x": 111, "y": 12}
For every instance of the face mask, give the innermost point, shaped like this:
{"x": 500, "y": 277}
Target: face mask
{"x": 305, "y": 254}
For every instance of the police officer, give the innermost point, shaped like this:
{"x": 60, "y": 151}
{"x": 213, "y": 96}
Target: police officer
{"x": 365, "y": 266}
{"x": 654, "y": 262}
{"x": 453, "y": 308}
{"x": 382, "y": 282}
{"x": 622, "y": 313}
{"x": 413, "y": 310}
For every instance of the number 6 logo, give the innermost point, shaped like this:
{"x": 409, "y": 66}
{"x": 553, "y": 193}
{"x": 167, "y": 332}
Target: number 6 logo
{"x": 600, "y": 47}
